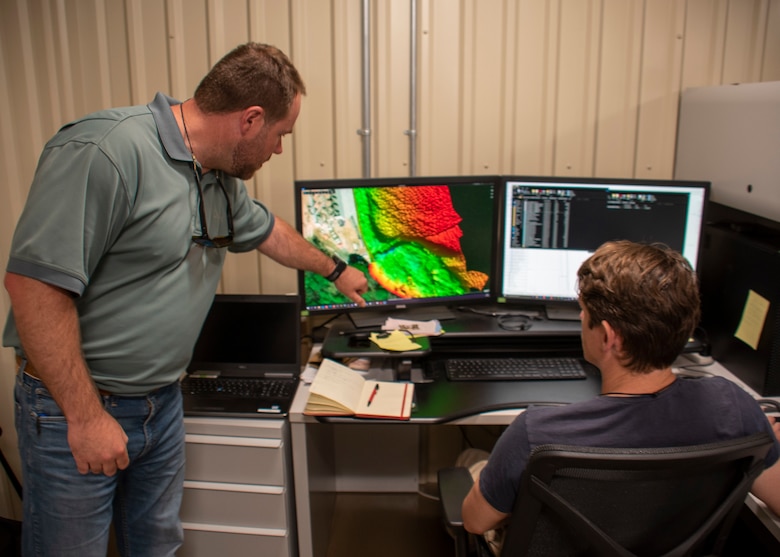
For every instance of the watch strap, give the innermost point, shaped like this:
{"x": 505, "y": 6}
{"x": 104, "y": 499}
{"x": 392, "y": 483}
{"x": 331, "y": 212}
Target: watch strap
{"x": 340, "y": 266}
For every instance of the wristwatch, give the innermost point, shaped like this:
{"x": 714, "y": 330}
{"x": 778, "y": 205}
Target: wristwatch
{"x": 340, "y": 266}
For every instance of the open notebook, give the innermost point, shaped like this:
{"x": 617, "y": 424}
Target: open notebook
{"x": 247, "y": 359}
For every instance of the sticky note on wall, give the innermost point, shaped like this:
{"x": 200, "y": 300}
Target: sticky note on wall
{"x": 753, "y": 318}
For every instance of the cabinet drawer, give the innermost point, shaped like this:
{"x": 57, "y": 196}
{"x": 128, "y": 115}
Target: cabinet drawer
{"x": 240, "y": 460}
{"x": 237, "y": 427}
{"x": 208, "y": 543}
{"x": 234, "y": 505}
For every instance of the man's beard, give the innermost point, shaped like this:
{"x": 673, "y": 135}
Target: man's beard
{"x": 243, "y": 165}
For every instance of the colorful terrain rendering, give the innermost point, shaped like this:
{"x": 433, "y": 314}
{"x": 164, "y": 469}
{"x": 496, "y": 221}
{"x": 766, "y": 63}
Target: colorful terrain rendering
{"x": 413, "y": 237}
{"x": 407, "y": 239}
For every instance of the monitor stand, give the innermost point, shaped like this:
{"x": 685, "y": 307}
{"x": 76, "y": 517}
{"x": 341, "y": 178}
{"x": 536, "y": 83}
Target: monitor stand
{"x": 562, "y": 311}
{"x": 375, "y": 319}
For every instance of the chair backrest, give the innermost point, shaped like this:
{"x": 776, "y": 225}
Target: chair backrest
{"x": 632, "y": 502}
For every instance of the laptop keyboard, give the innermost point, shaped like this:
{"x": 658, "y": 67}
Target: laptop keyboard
{"x": 486, "y": 369}
{"x": 239, "y": 386}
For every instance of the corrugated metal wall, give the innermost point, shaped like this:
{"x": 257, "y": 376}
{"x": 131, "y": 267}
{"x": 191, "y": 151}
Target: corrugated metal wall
{"x": 566, "y": 87}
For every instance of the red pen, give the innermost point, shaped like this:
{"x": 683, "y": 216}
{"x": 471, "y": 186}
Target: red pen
{"x": 373, "y": 394}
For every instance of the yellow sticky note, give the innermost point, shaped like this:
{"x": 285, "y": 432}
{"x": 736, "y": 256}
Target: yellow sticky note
{"x": 397, "y": 341}
{"x": 753, "y": 318}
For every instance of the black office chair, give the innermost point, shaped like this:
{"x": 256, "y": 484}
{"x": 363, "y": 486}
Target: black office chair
{"x": 618, "y": 502}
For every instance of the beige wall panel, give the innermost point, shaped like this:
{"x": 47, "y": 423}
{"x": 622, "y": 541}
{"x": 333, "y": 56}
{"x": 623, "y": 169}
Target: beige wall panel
{"x": 535, "y": 84}
{"x": 118, "y": 54}
{"x": 188, "y": 47}
{"x": 745, "y": 33}
{"x": 148, "y": 50}
{"x": 705, "y": 33}
{"x": 313, "y": 47}
{"x": 484, "y": 46}
{"x": 17, "y": 141}
{"x": 69, "y": 29}
{"x": 506, "y": 137}
{"x": 577, "y": 87}
{"x": 771, "y": 68}
{"x": 346, "y": 111}
{"x": 48, "y": 69}
{"x": 177, "y": 50}
{"x": 274, "y": 183}
{"x": 617, "y": 109}
{"x": 390, "y": 100}
{"x": 440, "y": 142}
{"x": 440, "y": 108}
{"x": 227, "y": 27}
{"x": 270, "y": 23}
{"x": 23, "y": 85}
{"x": 660, "y": 88}
{"x": 87, "y": 49}
{"x": 12, "y": 165}
{"x": 265, "y": 22}
{"x": 12, "y": 196}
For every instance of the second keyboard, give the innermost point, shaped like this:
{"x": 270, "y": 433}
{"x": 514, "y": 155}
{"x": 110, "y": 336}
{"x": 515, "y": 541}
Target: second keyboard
{"x": 516, "y": 369}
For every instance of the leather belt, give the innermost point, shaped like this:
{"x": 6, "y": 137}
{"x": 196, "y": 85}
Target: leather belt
{"x": 30, "y": 370}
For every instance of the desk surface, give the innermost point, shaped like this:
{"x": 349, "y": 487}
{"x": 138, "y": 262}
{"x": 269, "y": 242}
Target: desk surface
{"x": 444, "y": 401}
{"x": 497, "y": 403}
{"x": 441, "y": 400}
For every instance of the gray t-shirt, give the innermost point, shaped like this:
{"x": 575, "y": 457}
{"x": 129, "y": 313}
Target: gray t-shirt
{"x": 688, "y": 412}
{"x": 109, "y": 217}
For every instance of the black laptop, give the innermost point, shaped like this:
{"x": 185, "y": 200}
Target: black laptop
{"x": 247, "y": 359}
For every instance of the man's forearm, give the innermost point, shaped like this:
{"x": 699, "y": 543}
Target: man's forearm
{"x": 287, "y": 247}
{"x": 48, "y": 326}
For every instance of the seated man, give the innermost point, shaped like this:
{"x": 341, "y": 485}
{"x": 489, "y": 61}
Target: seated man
{"x": 640, "y": 305}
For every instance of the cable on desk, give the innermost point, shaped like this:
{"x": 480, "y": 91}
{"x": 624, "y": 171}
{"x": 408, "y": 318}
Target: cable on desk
{"x": 508, "y": 320}
{"x": 316, "y": 329}
{"x": 694, "y": 369}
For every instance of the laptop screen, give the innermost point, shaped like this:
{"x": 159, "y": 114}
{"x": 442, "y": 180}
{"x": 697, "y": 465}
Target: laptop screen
{"x": 250, "y": 336}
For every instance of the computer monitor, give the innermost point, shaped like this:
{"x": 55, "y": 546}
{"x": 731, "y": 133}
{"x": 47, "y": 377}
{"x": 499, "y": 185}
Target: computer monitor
{"x": 551, "y": 225}
{"x": 421, "y": 241}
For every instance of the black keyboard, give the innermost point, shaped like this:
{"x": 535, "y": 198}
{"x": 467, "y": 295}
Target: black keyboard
{"x": 239, "y": 387}
{"x": 488, "y": 369}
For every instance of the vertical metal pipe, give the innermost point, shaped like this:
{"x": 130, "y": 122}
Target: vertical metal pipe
{"x": 365, "y": 131}
{"x": 412, "y": 131}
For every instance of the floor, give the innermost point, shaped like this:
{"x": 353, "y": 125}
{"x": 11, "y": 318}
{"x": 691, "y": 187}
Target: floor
{"x": 388, "y": 525}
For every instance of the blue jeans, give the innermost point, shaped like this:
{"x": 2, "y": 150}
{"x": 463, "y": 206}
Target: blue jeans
{"x": 70, "y": 514}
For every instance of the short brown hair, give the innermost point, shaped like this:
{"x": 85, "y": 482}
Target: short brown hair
{"x": 648, "y": 293}
{"x": 252, "y": 74}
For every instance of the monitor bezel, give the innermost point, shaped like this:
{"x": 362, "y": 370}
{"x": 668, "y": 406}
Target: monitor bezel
{"x": 568, "y": 302}
{"x": 405, "y": 305}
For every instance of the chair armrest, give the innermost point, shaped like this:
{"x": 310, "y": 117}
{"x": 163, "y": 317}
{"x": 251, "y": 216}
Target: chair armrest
{"x": 454, "y": 484}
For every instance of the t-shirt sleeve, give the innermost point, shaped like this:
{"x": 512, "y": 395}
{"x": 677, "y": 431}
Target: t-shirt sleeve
{"x": 75, "y": 210}
{"x": 252, "y": 221}
{"x": 752, "y": 417}
{"x": 499, "y": 480}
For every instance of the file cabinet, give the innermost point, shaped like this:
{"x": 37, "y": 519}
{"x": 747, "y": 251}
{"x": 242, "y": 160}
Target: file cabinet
{"x": 238, "y": 497}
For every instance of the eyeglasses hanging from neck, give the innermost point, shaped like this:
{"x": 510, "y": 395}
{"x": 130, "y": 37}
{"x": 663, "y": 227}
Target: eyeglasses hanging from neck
{"x": 204, "y": 239}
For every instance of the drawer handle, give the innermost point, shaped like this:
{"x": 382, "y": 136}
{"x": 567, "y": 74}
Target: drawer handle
{"x": 235, "y": 441}
{"x": 239, "y": 488}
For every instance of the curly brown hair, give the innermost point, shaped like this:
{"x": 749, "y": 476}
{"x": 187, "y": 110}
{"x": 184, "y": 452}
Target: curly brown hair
{"x": 648, "y": 293}
{"x": 251, "y": 74}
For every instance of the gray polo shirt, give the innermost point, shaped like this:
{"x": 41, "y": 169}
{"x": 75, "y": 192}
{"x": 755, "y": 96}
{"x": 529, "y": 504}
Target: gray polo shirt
{"x": 109, "y": 217}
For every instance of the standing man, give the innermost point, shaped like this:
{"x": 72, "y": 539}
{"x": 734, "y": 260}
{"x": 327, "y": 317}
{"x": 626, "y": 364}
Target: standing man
{"x": 640, "y": 304}
{"x": 113, "y": 267}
